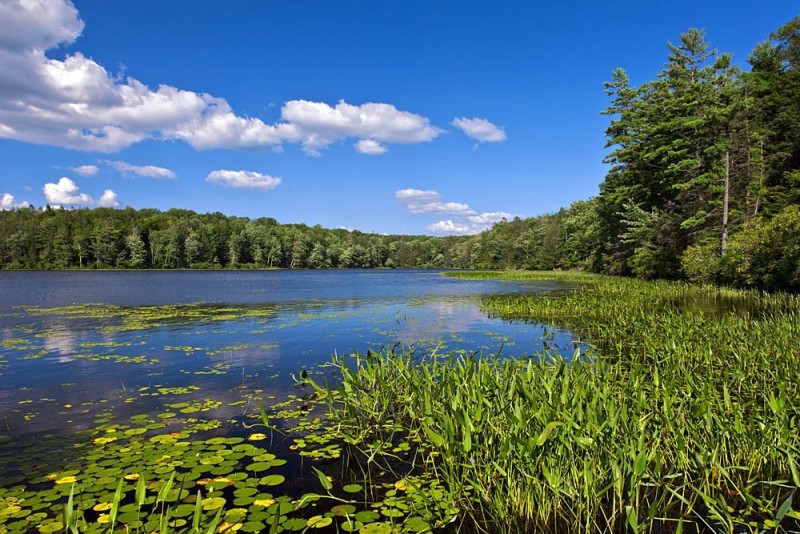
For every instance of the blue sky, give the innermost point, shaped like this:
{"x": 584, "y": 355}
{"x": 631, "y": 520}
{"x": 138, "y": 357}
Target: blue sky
{"x": 436, "y": 117}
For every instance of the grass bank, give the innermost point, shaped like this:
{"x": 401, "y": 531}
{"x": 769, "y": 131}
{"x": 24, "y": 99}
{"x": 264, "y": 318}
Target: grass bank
{"x": 683, "y": 417}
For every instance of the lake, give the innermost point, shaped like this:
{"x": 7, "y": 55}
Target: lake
{"x": 131, "y": 341}
{"x": 127, "y": 380}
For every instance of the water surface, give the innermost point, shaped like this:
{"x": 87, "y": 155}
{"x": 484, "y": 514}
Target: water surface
{"x": 131, "y": 342}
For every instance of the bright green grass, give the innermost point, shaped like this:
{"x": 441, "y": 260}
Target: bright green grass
{"x": 684, "y": 416}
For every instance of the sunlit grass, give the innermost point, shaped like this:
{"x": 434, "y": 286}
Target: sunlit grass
{"x": 685, "y": 413}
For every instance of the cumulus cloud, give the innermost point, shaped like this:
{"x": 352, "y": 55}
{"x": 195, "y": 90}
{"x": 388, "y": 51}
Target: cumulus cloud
{"x": 449, "y": 227}
{"x": 480, "y": 129}
{"x": 76, "y": 103}
{"x": 67, "y": 193}
{"x": 244, "y": 180}
{"x": 421, "y": 202}
{"x": 489, "y": 218}
{"x": 148, "y": 171}
{"x": 86, "y": 170}
{"x": 46, "y": 24}
{"x": 109, "y": 199}
{"x": 318, "y": 125}
{"x": 467, "y": 220}
{"x": 7, "y": 203}
{"x": 370, "y": 147}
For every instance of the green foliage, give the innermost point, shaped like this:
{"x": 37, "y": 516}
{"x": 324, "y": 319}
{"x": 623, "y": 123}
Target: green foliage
{"x": 766, "y": 254}
{"x": 701, "y": 263}
{"x": 141, "y": 239}
{"x": 701, "y": 139}
{"x": 643, "y": 433}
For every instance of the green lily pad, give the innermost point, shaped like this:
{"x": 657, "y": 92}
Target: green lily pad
{"x": 259, "y": 466}
{"x": 294, "y": 524}
{"x": 183, "y": 510}
{"x": 344, "y": 509}
{"x": 212, "y": 503}
{"x": 253, "y": 526}
{"x": 272, "y": 480}
{"x": 417, "y": 524}
{"x": 368, "y": 516}
{"x": 319, "y": 521}
{"x": 377, "y": 528}
{"x": 351, "y": 526}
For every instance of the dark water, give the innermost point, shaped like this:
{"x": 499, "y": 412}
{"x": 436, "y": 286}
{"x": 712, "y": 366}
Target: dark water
{"x": 75, "y": 343}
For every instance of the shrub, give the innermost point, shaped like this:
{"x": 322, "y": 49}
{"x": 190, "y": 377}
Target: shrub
{"x": 766, "y": 254}
{"x": 701, "y": 263}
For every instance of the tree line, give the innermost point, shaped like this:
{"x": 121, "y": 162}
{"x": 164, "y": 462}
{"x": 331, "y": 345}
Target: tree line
{"x": 704, "y": 178}
{"x": 147, "y": 238}
{"x": 703, "y": 183}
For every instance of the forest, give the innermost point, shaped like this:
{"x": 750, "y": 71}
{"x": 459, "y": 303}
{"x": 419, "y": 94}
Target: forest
{"x": 703, "y": 184}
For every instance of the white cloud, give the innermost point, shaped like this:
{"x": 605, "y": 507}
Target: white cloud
{"x": 370, "y": 147}
{"x": 421, "y": 202}
{"x": 66, "y": 193}
{"x": 109, "y": 199}
{"x": 86, "y": 170}
{"x": 37, "y": 24}
{"x": 7, "y": 203}
{"x": 415, "y": 195}
{"x": 489, "y": 218}
{"x": 148, "y": 171}
{"x": 468, "y": 221}
{"x": 76, "y": 103}
{"x": 244, "y": 180}
{"x": 449, "y": 227}
{"x": 480, "y": 129}
{"x": 318, "y": 125}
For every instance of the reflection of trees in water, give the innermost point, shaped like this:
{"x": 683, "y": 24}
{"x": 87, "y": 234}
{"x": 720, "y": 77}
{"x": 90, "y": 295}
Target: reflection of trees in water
{"x": 104, "y": 355}
{"x": 438, "y": 319}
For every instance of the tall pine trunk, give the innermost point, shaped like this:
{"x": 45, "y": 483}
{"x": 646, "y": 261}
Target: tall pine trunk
{"x": 725, "y": 201}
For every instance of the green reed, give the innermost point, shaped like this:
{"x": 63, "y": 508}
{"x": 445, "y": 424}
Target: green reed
{"x": 683, "y": 415}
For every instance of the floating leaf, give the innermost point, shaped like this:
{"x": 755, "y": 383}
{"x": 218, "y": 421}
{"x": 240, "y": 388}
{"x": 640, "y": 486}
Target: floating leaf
{"x": 318, "y": 521}
{"x": 295, "y": 523}
{"x": 343, "y": 509}
{"x": 272, "y": 480}
{"x": 352, "y": 526}
{"x": 416, "y": 524}
{"x": 377, "y": 528}
{"x": 212, "y": 503}
{"x": 368, "y": 516}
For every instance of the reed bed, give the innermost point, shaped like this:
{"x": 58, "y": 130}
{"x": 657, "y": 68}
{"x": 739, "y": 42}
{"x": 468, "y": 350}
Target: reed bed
{"x": 683, "y": 417}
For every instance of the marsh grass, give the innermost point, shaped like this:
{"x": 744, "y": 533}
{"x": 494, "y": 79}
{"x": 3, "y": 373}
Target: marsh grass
{"x": 683, "y": 417}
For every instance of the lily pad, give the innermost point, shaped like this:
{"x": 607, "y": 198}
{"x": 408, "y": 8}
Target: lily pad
{"x": 319, "y": 521}
{"x": 376, "y": 528}
{"x": 344, "y": 509}
{"x": 272, "y": 480}
{"x": 212, "y": 503}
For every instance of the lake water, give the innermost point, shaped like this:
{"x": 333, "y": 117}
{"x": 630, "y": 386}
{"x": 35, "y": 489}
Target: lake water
{"x": 111, "y": 377}
{"x": 114, "y": 339}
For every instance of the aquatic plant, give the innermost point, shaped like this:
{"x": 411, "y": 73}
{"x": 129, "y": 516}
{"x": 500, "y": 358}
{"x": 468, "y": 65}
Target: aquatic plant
{"x": 684, "y": 414}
